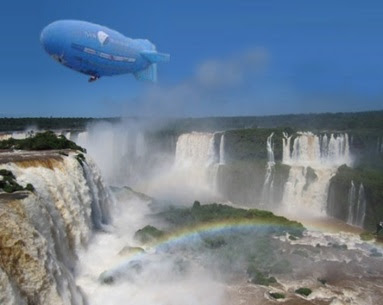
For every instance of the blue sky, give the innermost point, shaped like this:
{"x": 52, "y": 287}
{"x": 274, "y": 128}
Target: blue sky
{"x": 239, "y": 57}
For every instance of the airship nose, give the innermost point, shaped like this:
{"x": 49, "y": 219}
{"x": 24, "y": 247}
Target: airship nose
{"x": 52, "y": 38}
{"x": 47, "y": 39}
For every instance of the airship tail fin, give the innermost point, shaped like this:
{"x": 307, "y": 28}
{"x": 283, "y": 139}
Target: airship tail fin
{"x": 148, "y": 74}
{"x": 155, "y": 57}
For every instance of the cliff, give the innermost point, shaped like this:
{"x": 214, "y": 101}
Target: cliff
{"x": 42, "y": 230}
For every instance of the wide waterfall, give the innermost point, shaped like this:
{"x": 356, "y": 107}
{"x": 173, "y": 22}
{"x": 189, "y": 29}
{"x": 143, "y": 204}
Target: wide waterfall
{"x": 314, "y": 160}
{"x": 43, "y": 230}
{"x": 196, "y": 156}
{"x": 317, "y": 151}
{"x": 195, "y": 149}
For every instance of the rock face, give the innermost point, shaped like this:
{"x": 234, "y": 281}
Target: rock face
{"x": 42, "y": 230}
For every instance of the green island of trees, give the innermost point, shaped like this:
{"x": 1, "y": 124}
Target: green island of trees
{"x": 250, "y": 230}
{"x": 8, "y": 183}
{"x": 47, "y": 140}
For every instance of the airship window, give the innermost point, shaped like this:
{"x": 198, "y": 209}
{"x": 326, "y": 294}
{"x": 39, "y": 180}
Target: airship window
{"x": 89, "y": 51}
{"x": 104, "y": 55}
{"x": 118, "y": 58}
{"x": 77, "y": 47}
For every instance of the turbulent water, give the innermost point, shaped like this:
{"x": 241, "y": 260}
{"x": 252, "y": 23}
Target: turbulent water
{"x": 357, "y": 205}
{"x": 313, "y": 160}
{"x": 44, "y": 230}
{"x": 75, "y": 245}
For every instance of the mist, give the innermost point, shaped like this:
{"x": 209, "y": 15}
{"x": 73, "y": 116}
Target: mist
{"x": 154, "y": 172}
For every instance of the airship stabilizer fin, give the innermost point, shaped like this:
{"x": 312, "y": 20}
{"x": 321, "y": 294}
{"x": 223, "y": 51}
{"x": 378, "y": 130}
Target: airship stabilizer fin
{"x": 155, "y": 57}
{"x": 149, "y": 74}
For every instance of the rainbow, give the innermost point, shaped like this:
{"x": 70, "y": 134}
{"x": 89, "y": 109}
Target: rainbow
{"x": 190, "y": 234}
{"x": 187, "y": 234}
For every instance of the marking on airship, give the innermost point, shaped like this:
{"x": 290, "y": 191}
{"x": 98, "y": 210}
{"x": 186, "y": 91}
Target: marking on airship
{"x": 102, "y": 37}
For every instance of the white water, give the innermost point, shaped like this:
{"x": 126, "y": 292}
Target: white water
{"x": 157, "y": 283}
{"x": 197, "y": 160}
{"x": 222, "y": 159}
{"x": 303, "y": 191}
{"x": 351, "y": 204}
{"x": 59, "y": 222}
{"x": 268, "y": 190}
{"x": 286, "y": 141}
{"x": 195, "y": 149}
{"x": 317, "y": 151}
{"x": 357, "y": 206}
{"x": 116, "y": 150}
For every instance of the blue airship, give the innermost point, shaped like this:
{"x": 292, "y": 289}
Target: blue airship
{"x": 98, "y": 51}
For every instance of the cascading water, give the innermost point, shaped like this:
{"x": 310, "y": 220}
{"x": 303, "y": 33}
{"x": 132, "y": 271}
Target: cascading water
{"x": 195, "y": 149}
{"x": 286, "y": 141}
{"x": 43, "y": 230}
{"x": 196, "y": 154}
{"x": 116, "y": 152}
{"x": 267, "y": 190}
{"x": 313, "y": 160}
{"x": 357, "y": 206}
{"x": 360, "y": 207}
{"x": 222, "y": 150}
{"x": 351, "y": 204}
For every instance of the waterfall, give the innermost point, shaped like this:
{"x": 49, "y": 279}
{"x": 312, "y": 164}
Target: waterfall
{"x": 315, "y": 151}
{"x": 196, "y": 155}
{"x": 379, "y": 145}
{"x": 267, "y": 190}
{"x": 44, "y": 229}
{"x": 351, "y": 204}
{"x": 360, "y": 207}
{"x": 313, "y": 160}
{"x": 286, "y": 141}
{"x": 222, "y": 150}
{"x": 82, "y": 138}
{"x": 357, "y": 206}
{"x": 195, "y": 149}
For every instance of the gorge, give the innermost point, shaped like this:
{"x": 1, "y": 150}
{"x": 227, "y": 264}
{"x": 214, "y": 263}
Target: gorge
{"x": 71, "y": 239}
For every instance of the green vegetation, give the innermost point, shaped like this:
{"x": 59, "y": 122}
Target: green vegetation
{"x": 259, "y": 278}
{"x": 372, "y": 180}
{"x": 303, "y": 291}
{"x": 148, "y": 234}
{"x": 366, "y": 236}
{"x": 40, "y": 141}
{"x": 183, "y": 217}
{"x": 20, "y": 124}
{"x": 282, "y": 266}
{"x": 248, "y": 230}
{"x": 250, "y": 144}
{"x": 276, "y": 295}
{"x": 310, "y": 177}
{"x": 357, "y": 121}
{"x": 8, "y": 183}
{"x": 371, "y": 120}
{"x": 80, "y": 158}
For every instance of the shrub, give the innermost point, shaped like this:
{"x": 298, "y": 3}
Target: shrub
{"x": 303, "y": 291}
{"x": 41, "y": 141}
{"x": 148, "y": 234}
{"x": 276, "y": 295}
{"x": 9, "y": 185}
